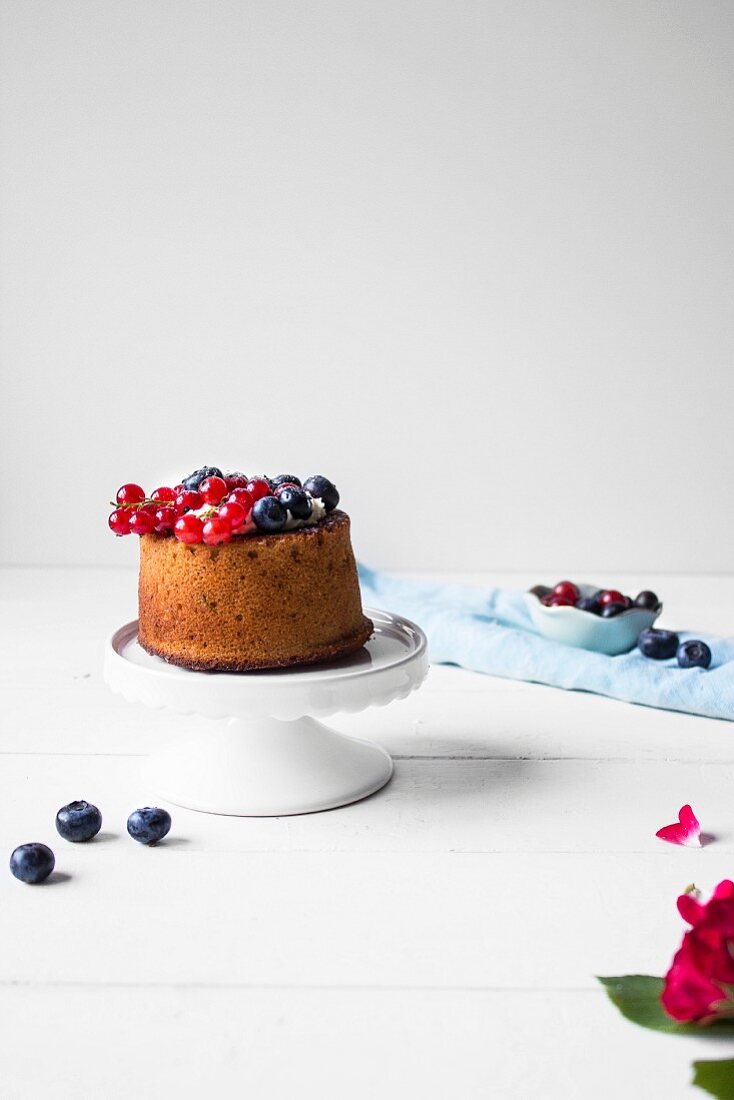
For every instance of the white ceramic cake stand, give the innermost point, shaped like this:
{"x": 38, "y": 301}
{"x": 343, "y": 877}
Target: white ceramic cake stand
{"x": 271, "y": 756}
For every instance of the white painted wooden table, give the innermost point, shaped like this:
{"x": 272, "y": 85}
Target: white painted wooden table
{"x": 437, "y": 940}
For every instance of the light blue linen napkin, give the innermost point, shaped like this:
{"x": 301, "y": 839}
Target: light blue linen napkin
{"x": 490, "y": 630}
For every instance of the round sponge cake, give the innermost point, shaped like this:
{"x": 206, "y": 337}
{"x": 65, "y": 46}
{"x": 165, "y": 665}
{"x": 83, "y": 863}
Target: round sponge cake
{"x": 261, "y": 601}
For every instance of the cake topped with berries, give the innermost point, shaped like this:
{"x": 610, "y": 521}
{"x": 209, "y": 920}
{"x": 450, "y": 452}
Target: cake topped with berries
{"x": 241, "y": 573}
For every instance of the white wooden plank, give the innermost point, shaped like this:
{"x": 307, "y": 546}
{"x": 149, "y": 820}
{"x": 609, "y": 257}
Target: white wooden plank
{"x": 82, "y": 715}
{"x": 538, "y": 722}
{"x": 429, "y": 806}
{"x": 331, "y": 1044}
{"x": 498, "y": 921}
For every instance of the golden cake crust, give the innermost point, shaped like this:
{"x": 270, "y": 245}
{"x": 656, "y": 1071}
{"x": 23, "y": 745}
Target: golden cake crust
{"x": 258, "y": 602}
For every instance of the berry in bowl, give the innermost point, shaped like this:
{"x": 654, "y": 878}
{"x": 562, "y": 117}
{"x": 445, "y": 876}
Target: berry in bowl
{"x": 589, "y": 617}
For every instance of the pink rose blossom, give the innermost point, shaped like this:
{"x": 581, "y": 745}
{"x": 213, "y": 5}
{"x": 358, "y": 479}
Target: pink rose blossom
{"x": 700, "y": 983}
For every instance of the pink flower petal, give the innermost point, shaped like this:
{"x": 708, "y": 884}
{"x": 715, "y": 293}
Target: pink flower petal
{"x": 690, "y": 909}
{"x": 686, "y": 830}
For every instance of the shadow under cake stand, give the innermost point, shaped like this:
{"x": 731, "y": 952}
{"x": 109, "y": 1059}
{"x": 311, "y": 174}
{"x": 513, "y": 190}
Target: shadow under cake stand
{"x": 271, "y": 755}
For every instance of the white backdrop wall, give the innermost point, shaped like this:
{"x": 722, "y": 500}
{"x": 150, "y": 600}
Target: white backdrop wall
{"x": 473, "y": 260}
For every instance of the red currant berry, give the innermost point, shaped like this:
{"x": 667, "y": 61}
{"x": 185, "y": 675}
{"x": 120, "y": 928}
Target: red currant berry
{"x": 178, "y": 488}
{"x": 119, "y": 521}
{"x": 610, "y": 595}
{"x": 557, "y": 601}
{"x": 216, "y": 530}
{"x": 164, "y": 520}
{"x": 234, "y": 513}
{"x": 188, "y": 501}
{"x": 188, "y": 529}
{"x": 258, "y": 488}
{"x": 142, "y": 522}
{"x": 130, "y": 494}
{"x": 568, "y": 590}
{"x": 149, "y": 507}
{"x": 236, "y": 481}
{"x": 164, "y": 493}
{"x": 243, "y": 497}
{"x": 213, "y": 489}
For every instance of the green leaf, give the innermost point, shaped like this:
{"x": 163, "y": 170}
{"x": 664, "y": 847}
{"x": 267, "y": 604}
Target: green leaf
{"x": 716, "y": 1078}
{"x": 637, "y": 996}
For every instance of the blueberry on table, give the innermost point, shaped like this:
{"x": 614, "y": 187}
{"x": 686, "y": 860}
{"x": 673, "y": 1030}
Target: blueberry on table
{"x": 193, "y": 481}
{"x": 149, "y": 824}
{"x": 269, "y": 514}
{"x": 297, "y": 502}
{"x": 658, "y": 644}
{"x": 648, "y": 600}
{"x": 32, "y": 863}
{"x": 324, "y": 489}
{"x": 610, "y": 610}
{"x": 285, "y": 479}
{"x": 78, "y": 822}
{"x": 694, "y": 654}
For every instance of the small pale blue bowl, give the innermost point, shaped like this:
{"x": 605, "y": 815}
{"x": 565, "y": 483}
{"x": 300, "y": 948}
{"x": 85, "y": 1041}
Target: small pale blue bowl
{"x": 578, "y": 628}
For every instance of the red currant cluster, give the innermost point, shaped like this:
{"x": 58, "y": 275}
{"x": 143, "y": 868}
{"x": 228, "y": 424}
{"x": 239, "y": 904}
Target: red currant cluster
{"x": 220, "y": 508}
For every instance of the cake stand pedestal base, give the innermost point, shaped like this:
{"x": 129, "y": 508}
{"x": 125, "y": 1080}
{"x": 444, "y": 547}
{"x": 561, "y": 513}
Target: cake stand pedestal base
{"x": 266, "y": 768}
